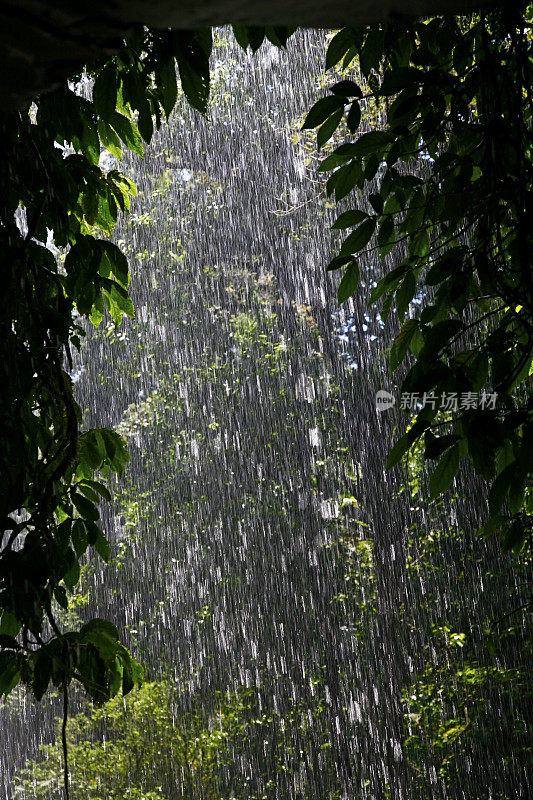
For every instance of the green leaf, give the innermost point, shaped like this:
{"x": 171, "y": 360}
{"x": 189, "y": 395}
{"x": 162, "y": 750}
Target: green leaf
{"x": 128, "y": 132}
{"x": 10, "y": 625}
{"x": 42, "y": 672}
{"x": 90, "y": 450}
{"x": 398, "y": 78}
{"x": 386, "y": 307}
{"x": 62, "y": 534}
{"x": 332, "y": 161}
{"x": 401, "y": 343}
{"x": 326, "y": 131}
{"x": 192, "y": 54}
{"x": 9, "y": 671}
{"x": 120, "y": 297}
{"x": 256, "y": 37}
{"x": 492, "y": 525}
{"x": 353, "y": 119}
{"x": 514, "y": 537}
{"x": 72, "y": 575}
{"x": 404, "y": 443}
{"x": 117, "y": 672}
{"x": 405, "y": 107}
{"x": 371, "y": 163}
{"x": 116, "y": 452}
{"x": 85, "y": 508}
{"x": 323, "y": 109}
{"x": 500, "y": 487}
{"x": 419, "y": 244}
{"x": 101, "y": 545}
{"x": 483, "y": 440}
{"x": 250, "y": 36}
{"x": 445, "y": 471}
{"x": 89, "y": 144}
{"x": 477, "y": 370}
{"x": 338, "y": 262}
{"x": 389, "y": 282}
{"x": 278, "y": 35}
{"x": 100, "y": 627}
{"x": 98, "y": 487}
{"x": 349, "y": 57}
{"x": 439, "y": 334}
{"x": 346, "y": 89}
{"x": 107, "y": 213}
{"x": 169, "y": 86}
{"x": 145, "y": 123}
{"x": 79, "y": 537}
{"x": 134, "y": 91}
{"x": 103, "y": 635}
{"x": 404, "y": 294}
{"x": 349, "y": 219}
{"x": 61, "y": 596}
{"x": 89, "y": 204}
{"x": 526, "y": 447}
{"x": 436, "y": 445}
{"x": 114, "y": 258}
{"x": 517, "y": 490}
{"x": 129, "y": 185}
{"x": 138, "y": 672}
{"x": 346, "y": 179}
{"x": 386, "y": 235}
{"x": 93, "y": 531}
{"x": 119, "y": 190}
{"x": 349, "y": 282}
{"x": 371, "y": 142}
{"x": 358, "y": 239}
{"x": 105, "y": 91}
{"x": 127, "y": 676}
{"x": 392, "y": 205}
{"x": 371, "y": 52}
{"x": 94, "y": 672}
{"x": 399, "y": 449}
{"x": 339, "y": 46}
{"x": 241, "y": 35}
{"x": 376, "y": 201}
{"x": 109, "y": 139}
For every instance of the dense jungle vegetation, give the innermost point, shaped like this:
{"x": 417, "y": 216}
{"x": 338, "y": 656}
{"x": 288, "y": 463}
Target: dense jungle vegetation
{"x": 421, "y": 571}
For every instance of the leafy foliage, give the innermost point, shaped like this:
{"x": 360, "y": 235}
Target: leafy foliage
{"x": 152, "y": 749}
{"x": 147, "y": 746}
{"x": 453, "y": 168}
{"x": 58, "y": 204}
{"x": 248, "y": 338}
{"x": 254, "y": 37}
{"x": 465, "y": 697}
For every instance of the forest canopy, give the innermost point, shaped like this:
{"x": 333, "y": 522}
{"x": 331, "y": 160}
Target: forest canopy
{"x": 450, "y": 93}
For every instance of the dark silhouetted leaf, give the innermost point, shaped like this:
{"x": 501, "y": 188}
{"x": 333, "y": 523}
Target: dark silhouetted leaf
{"x": 445, "y": 471}
{"x": 358, "y": 239}
{"x": 349, "y": 282}
{"x": 401, "y": 343}
{"x": 323, "y": 109}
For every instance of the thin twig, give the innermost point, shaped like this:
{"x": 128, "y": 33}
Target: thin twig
{"x": 514, "y": 611}
{"x": 64, "y": 739}
{"x": 280, "y": 212}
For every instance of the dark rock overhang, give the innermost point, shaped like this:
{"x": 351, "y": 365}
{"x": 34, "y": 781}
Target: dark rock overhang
{"x": 42, "y": 43}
